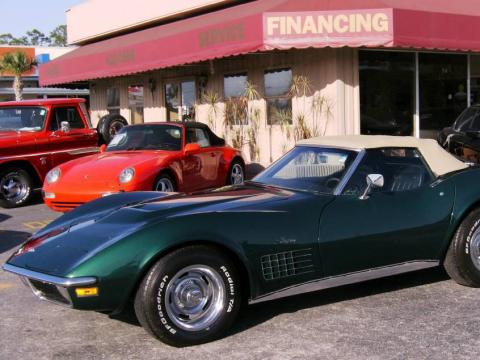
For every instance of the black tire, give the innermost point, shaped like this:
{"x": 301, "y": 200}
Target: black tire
{"x": 459, "y": 262}
{"x": 24, "y": 187}
{"x": 167, "y": 179}
{"x": 108, "y": 126}
{"x": 236, "y": 164}
{"x": 153, "y": 305}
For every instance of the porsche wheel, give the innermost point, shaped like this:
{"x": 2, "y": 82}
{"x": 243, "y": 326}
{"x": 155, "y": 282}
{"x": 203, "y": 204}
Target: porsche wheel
{"x": 190, "y": 296}
{"x": 236, "y": 174}
{"x": 15, "y": 188}
{"x": 462, "y": 261}
{"x": 164, "y": 183}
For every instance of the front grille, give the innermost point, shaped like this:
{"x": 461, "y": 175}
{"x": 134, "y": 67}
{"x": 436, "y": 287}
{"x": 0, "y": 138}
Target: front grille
{"x": 285, "y": 264}
{"x": 65, "y": 206}
{"x": 49, "y": 292}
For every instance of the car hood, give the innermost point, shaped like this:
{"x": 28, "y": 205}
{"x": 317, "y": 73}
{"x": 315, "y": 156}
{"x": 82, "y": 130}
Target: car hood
{"x": 77, "y": 236}
{"x": 103, "y": 167}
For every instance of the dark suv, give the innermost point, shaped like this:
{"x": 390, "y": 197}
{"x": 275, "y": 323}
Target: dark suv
{"x": 463, "y": 137}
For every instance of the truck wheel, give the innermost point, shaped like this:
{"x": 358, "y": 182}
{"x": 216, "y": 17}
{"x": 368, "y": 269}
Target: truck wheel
{"x": 109, "y": 125}
{"x": 190, "y": 296}
{"x": 15, "y": 187}
{"x": 462, "y": 261}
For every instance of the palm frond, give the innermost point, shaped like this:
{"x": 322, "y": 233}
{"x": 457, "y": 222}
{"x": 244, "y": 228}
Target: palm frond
{"x": 17, "y": 63}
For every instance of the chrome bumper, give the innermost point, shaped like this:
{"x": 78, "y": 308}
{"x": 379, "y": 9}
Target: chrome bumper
{"x": 48, "y": 287}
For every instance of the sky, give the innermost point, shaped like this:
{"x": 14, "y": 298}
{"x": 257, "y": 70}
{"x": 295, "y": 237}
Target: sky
{"x": 18, "y": 17}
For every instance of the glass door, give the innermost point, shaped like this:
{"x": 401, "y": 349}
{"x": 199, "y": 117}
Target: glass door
{"x": 443, "y": 91}
{"x": 180, "y": 98}
{"x": 136, "y": 103}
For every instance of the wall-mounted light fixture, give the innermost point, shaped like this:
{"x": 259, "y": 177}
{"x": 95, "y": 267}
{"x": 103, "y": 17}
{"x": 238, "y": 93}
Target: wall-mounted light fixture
{"x": 212, "y": 67}
{"x": 152, "y": 85}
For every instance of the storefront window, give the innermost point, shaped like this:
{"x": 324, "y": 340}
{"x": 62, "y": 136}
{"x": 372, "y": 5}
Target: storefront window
{"x": 474, "y": 79}
{"x": 234, "y": 85}
{"x": 387, "y": 92}
{"x": 443, "y": 91}
{"x": 136, "y": 103}
{"x": 234, "y": 91}
{"x": 113, "y": 100}
{"x": 180, "y": 98}
{"x": 277, "y": 89}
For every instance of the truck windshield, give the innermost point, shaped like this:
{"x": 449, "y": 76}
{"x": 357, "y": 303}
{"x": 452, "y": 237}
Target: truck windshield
{"x": 22, "y": 118}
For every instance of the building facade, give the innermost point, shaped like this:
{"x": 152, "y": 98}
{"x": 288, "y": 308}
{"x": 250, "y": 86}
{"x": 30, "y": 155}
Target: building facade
{"x": 32, "y": 89}
{"x": 264, "y": 74}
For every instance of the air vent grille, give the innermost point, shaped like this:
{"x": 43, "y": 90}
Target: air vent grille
{"x": 285, "y": 264}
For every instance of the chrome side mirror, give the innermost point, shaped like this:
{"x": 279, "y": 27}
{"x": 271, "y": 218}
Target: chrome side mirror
{"x": 65, "y": 126}
{"x": 373, "y": 181}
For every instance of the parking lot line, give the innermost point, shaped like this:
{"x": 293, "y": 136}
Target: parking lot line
{"x": 36, "y": 225}
{"x": 4, "y": 286}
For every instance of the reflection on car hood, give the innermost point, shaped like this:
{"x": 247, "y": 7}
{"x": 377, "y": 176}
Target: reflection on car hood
{"x": 83, "y": 236}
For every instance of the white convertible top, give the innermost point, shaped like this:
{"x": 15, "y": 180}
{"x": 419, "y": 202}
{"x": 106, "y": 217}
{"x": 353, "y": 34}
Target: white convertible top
{"x": 440, "y": 161}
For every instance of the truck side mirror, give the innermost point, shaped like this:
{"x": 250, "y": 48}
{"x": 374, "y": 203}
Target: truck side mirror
{"x": 65, "y": 126}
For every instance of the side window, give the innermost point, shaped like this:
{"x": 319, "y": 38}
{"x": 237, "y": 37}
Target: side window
{"x": 234, "y": 88}
{"x": 277, "y": 89}
{"x": 403, "y": 169}
{"x": 197, "y": 135}
{"x": 69, "y": 114}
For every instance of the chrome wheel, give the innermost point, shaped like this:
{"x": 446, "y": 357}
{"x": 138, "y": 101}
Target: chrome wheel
{"x": 194, "y": 298}
{"x": 164, "y": 185}
{"x": 475, "y": 248}
{"x": 236, "y": 174}
{"x": 13, "y": 187}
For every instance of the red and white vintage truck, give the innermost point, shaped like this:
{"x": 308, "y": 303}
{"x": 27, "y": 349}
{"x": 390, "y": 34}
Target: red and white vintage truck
{"x": 37, "y": 135}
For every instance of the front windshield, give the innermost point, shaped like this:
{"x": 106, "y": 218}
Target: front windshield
{"x": 309, "y": 168}
{"x": 469, "y": 120}
{"x": 22, "y": 118}
{"x": 147, "y": 137}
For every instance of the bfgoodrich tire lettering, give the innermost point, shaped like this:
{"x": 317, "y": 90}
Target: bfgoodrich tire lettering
{"x": 461, "y": 262}
{"x": 177, "y": 285}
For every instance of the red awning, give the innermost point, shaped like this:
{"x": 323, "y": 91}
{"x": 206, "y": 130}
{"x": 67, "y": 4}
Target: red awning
{"x": 275, "y": 24}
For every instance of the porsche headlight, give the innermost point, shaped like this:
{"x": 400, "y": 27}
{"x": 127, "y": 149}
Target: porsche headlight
{"x": 126, "y": 175}
{"x": 53, "y": 176}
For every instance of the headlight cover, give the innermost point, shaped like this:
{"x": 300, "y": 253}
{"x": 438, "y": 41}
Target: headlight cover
{"x": 126, "y": 175}
{"x": 53, "y": 176}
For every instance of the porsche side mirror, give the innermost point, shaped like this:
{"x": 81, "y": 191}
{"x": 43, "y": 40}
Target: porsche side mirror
{"x": 103, "y": 148}
{"x": 373, "y": 181}
{"x": 191, "y": 148}
{"x": 65, "y": 126}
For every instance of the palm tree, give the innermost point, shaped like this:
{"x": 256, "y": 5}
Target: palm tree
{"x": 17, "y": 63}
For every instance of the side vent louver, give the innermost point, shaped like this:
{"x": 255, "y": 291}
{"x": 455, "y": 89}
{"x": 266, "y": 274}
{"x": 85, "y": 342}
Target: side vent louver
{"x": 285, "y": 264}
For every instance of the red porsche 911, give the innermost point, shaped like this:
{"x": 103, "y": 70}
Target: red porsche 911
{"x": 166, "y": 157}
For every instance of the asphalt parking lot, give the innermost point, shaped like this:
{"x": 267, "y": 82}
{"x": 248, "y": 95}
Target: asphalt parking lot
{"x": 422, "y": 315}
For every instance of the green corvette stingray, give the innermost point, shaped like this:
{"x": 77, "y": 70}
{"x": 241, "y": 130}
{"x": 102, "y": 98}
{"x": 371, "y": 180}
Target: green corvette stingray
{"x": 333, "y": 211}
